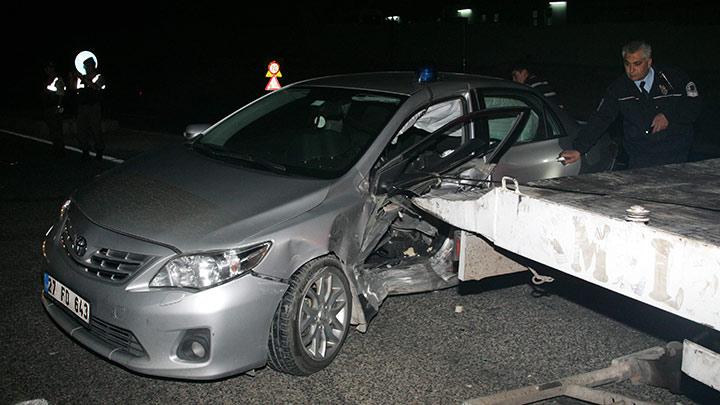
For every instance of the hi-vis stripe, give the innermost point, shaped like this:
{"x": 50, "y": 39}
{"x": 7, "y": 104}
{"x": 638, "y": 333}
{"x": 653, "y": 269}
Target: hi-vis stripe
{"x": 668, "y": 95}
{"x": 96, "y": 78}
{"x": 538, "y": 84}
{"x": 628, "y": 98}
{"x": 52, "y": 87}
{"x": 81, "y": 85}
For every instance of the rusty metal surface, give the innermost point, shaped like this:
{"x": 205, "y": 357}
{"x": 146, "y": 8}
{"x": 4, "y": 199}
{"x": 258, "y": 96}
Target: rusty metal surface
{"x": 682, "y": 198}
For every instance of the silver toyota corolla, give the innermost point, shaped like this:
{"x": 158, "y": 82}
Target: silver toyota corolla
{"x": 268, "y": 234}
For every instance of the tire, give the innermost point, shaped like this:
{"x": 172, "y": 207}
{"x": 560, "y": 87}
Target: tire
{"x": 312, "y": 320}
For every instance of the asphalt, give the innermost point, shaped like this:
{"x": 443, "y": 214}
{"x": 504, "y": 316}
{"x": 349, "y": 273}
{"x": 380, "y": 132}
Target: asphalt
{"x": 120, "y": 142}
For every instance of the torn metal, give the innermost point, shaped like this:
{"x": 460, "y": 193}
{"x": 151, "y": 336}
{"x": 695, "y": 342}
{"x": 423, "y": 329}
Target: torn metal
{"x": 403, "y": 252}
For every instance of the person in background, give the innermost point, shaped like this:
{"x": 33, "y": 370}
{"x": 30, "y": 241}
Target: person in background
{"x": 521, "y": 73}
{"x": 90, "y": 88}
{"x": 658, "y": 106}
{"x": 53, "y": 108}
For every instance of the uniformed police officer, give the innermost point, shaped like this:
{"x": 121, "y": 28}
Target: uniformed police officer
{"x": 90, "y": 87}
{"x": 658, "y": 107}
{"x": 521, "y": 73}
{"x": 53, "y": 108}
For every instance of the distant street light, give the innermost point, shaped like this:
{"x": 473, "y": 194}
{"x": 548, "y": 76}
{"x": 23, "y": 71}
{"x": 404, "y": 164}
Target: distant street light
{"x": 559, "y": 12}
{"x": 465, "y": 13}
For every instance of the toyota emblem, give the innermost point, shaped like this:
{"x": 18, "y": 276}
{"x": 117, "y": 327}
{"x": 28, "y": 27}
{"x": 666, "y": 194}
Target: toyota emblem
{"x": 80, "y": 245}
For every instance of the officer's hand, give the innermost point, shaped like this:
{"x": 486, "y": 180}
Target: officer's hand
{"x": 569, "y": 156}
{"x": 659, "y": 123}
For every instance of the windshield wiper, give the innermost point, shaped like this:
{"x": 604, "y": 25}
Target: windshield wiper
{"x": 206, "y": 148}
{"x": 259, "y": 161}
{"x": 219, "y": 151}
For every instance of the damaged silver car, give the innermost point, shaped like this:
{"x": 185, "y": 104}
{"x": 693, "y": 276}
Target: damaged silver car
{"x": 268, "y": 234}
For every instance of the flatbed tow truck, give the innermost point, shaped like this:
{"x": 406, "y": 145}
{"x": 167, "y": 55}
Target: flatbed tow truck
{"x": 650, "y": 234}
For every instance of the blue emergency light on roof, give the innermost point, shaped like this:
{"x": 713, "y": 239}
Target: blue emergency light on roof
{"x": 427, "y": 74}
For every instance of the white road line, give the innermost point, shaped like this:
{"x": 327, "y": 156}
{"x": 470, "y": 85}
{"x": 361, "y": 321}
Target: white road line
{"x": 68, "y": 147}
{"x": 39, "y": 401}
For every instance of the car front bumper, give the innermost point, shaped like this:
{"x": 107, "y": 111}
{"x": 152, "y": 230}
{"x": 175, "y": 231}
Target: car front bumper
{"x": 152, "y": 325}
{"x": 141, "y": 328}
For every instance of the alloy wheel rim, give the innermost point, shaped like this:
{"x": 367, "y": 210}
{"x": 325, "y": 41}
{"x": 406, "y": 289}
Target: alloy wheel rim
{"x": 323, "y": 315}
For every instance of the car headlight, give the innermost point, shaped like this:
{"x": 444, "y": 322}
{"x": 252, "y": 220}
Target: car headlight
{"x": 209, "y": 269}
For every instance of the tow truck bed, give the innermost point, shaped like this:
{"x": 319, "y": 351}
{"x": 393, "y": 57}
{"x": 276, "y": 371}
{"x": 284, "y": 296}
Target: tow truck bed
{"x": 579, "y": 225}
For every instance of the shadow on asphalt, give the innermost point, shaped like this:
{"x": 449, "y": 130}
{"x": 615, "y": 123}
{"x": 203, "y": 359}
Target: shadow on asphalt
{"x": 632, "y": 313}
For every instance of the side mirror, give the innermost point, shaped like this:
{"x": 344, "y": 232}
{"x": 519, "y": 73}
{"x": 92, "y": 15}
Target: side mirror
{"x": 193, "y": 130}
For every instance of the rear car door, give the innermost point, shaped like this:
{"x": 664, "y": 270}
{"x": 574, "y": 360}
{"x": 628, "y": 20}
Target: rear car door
{"x": 533, "y": 155}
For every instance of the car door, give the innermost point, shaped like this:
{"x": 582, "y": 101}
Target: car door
{"x": 533, "y": 155}
{"x": 431, "y": 158}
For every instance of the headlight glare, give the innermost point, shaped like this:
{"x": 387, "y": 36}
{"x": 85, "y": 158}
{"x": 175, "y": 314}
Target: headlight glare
{"x": 210, "y": 269}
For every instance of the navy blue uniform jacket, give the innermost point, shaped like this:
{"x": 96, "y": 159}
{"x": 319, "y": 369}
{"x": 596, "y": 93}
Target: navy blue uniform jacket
{"x": 672, "y": 94}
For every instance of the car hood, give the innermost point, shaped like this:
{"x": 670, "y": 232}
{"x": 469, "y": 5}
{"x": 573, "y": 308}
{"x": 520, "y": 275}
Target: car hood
{"x": 180, "y": 198}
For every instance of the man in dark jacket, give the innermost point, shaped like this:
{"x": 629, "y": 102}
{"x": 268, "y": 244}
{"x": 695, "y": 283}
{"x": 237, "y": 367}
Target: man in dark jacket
{"x": 53, "y": 109}
{"x": 90, "y": 86}
{"x": 658, "y": 107}
{"x": 522, "y": 73}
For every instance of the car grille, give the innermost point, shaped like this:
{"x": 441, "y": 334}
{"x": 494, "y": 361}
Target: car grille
{"x": 115, "y": 336}
{"x": 105, "y": 263}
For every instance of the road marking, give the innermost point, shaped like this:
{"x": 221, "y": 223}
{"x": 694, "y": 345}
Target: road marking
{"x": 40, "y": 401}
{"x": 68, "y": 147}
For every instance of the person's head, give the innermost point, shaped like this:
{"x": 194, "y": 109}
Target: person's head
{"x": 89, "y": 64}
{"x": 50, "y": 68}
{"x": 520, "y": 72}
{"x": 637, "y": 59}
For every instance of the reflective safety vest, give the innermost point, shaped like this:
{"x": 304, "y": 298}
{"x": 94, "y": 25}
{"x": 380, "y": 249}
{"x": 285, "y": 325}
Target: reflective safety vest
{"x": 81, "y": 85}
{"x": 54, "y": 92}
{"x": 90, "y": 92}
{"x": 57, "y": 86}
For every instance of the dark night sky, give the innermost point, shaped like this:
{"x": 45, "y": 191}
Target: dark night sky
{"x": 155, "y": 47}
{"x": 37, "y": 31}
{"x": 159, "y": 46}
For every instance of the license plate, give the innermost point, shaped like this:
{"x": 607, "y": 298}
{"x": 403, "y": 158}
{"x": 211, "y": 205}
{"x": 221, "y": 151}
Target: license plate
{"x": 68, "y": 298}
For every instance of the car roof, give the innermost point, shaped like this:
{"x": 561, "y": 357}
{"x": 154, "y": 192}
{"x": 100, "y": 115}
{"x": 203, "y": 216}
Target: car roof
{"x": 406, "y": 83}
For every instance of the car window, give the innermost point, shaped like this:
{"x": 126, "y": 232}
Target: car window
{"x": 431, "y": 158}
{"x": 552, "y": 126}
{"x": 427, "y": 121}
{"x": 499, "y": 127}
{"x": 310, "y": 131}
{"x": 540, "y": 125}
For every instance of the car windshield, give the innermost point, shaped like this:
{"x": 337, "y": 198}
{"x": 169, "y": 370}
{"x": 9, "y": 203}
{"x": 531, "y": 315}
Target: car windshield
{"x": 308, "y": 131}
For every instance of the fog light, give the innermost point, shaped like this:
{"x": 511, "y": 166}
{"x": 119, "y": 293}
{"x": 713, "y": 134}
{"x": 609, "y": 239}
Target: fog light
{"x": 198, "y": 349}
{"x": 195, "y": 345}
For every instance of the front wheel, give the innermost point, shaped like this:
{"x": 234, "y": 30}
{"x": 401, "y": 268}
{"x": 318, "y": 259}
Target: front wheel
{"x": 312, "y": 320}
